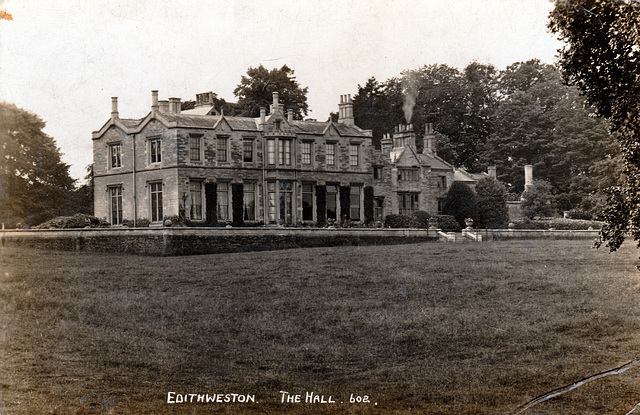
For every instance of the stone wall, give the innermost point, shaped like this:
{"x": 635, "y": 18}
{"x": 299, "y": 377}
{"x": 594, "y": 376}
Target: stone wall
{"x": 190, "y": 241}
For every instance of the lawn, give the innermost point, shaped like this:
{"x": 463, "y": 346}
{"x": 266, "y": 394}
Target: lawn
{"x": 427, "y": 328}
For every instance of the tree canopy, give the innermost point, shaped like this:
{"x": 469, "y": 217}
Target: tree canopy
{"x": 256, "y": 89}
{"x": 35, "y": 184}
{"x": 602, "y": 57}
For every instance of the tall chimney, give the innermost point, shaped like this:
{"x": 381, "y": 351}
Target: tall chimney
{"x": 163, "y": 105}
{"x": 263, "y": 115}
{"x": 528, "y": 176}
{"x": 289, "y": 115}
{"x": 492, "y": 172}
{"x": 386, "y": 144}
{"x": 429, "y": 137}
{"x": 276, "y": 103}
{"x": 154, "y": 100}
{"x": 114, "y": 107}
{"x": 345, "y": 110}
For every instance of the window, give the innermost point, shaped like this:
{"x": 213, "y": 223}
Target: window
{"x": 442, "y": 182}
{"x": 272, "y": 207}
{"x": 354, "y": 154}
{"x": 247, "y": 150}
{"x": 408, "y": 174}
{"x": 286, "y": 202}
{"x": 377, "y": 172}
{"x": 221, "y": 148}
{"x": 354, "y": 208}
{"x": 306, "y": 152}
{"x": 440, "y": 206}
{"x": 249, "y": 201}
{"x": 408, "y": 203}
{"x": 378, "y": 209}
{"x": 223, "y": 201}
{"x": 155, "y": 190}
{"x": 284, "y": 153}
{"x": 155, "y": 150}
{"x": 271, "y": 151}
{"x": 332, "y": 202}
{"x": 115, "y": 159}
{"x": 115, "y": 193}
{"x": 331, "y": 154}
{"x": 307, "y": 201}
{"x": 195, "y": 147}
{"x": 195, "y": 193}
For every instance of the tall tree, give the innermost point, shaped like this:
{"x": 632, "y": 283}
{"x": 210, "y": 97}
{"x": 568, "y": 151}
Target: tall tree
{"x": 34, "y": 182}
{"x": 602, "y": 57}
{"x": 378, "y": 107}
{"x": 256, "y": 90}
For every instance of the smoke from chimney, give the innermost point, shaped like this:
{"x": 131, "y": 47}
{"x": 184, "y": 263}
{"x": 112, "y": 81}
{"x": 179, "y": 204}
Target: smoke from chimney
{"x": 410, "y": 95}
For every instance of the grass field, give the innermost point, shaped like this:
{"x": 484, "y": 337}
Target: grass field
{"x": 427, "y": 328}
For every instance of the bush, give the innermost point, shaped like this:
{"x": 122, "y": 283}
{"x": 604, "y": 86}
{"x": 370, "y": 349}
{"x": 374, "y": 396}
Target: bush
{"x": 539, "y": 200}
{"x": 448, "y": 223}
{"x": 559, "y": 224}
{"x": 400, "y": 221}
{"x": 460, "y": 203}
{"x": 140, "y": 223}
{"x": 79, "y": 220}
{"x": 491, "y": 206}
{"x": 421, "y": 219}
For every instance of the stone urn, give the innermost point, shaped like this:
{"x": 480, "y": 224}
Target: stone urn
{"x": 469, "y": 223}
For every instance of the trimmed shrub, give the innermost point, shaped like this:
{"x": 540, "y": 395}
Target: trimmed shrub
{"x": 448, "y": 223}
{"x": 491, "y": 204}
{"x": 321, "y": 205}
{"x": 460, "y": 203}
{"x": 421, "y": 219}
{"x": 400, "y": 221}
{"x": 237, "y": 203}
{"x": 79, "y": 220}
{"x": 559, "y": 224}
{"x": 368, "y": 205}
{"x": 345, "y": 203}
{"x": 211, "y": 200}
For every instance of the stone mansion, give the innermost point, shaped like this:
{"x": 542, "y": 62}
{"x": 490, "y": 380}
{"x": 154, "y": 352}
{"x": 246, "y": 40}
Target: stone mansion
{"x": 214, "y": 169}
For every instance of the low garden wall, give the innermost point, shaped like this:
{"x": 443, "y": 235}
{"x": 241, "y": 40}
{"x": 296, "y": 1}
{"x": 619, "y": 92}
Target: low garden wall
{"x": 190, "y": 241}
{"x": 504, "y": 234}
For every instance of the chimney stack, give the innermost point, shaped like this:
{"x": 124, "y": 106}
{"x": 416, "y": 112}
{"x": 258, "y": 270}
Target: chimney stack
{"x": 386, "y": 144}
{"x": 174, "y": 105}
{"x": 263, "y": 115}
{"x": 154, "y": 100}
{"x": 429, "y": 138}
{"x": 163, "y": 106}
{"x": 528, "y": 177}
{"x": 289, "y": 115}
{"x": 345, "y": 110}
{"x": 276, "y": 103}
{"x": 114, "y": 107}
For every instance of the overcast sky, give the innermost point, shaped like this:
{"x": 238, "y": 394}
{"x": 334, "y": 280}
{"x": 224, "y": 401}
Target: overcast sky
{"x": 63, "y": 60}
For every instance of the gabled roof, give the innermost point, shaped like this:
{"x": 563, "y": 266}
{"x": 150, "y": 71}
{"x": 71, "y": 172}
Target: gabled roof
{"x": 194, "y": 119}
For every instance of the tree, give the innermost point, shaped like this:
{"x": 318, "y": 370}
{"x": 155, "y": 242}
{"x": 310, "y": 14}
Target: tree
{"x": 539, "y": 200}
{"x": 256, "y": 90}
{"x": 602, "y": 57}
{"x": 34, "y": 182}
{"x": 491, "y": 204}
{"x": 378, "y": 107}
{"x": 460, "y": 203}
{"x": 542, "y": 122}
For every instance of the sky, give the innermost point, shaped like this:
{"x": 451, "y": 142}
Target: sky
{"x": 64, "y": 60}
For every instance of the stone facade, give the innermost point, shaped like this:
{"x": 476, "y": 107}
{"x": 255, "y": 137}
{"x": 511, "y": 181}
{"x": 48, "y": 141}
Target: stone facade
{"x": 212, "y": 169}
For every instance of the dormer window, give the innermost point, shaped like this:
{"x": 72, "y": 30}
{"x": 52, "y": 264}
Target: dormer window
{"x": 278, "y": 125}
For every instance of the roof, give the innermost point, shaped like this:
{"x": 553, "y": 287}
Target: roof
{"x": 202, "y": 110}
